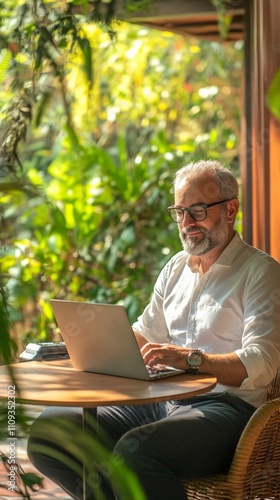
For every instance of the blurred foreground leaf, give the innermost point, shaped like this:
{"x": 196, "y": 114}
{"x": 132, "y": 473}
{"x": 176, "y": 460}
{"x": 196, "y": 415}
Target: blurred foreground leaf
{"x": 273, "y": 95}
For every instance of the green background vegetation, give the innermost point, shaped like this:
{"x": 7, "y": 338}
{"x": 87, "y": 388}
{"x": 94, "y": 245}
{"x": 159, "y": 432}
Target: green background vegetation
{"x": 95, "y": 119}
{"x": 113, "y": 118}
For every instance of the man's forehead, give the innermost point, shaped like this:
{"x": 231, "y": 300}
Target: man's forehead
{"x": 205, "y": 187}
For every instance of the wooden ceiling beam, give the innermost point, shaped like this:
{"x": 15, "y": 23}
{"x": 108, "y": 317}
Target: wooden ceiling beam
{"x": 193, "y": 17}
{"x": 171, "y": 9}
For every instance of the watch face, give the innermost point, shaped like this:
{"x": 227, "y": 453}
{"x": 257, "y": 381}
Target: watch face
{"x": 195, "y": 359}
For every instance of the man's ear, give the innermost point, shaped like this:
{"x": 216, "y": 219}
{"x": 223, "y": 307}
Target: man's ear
{"x": 232, "y": 209}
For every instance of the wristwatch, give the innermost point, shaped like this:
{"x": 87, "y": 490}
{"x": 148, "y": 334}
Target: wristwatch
{"x": 194, "y": 361}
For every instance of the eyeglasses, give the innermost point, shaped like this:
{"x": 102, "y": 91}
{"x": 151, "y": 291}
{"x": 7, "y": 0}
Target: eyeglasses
{"x": 197, "y": 212}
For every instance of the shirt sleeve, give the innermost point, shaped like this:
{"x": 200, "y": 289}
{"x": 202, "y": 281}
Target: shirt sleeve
{"x": 260, "y": 351}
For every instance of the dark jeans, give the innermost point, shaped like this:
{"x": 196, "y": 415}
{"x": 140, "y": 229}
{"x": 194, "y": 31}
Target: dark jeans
{"x": 160, "y": 442}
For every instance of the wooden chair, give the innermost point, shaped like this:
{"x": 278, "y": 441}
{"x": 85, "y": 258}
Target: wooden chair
{"x": 255, "y": 469}
{"x": 273, "y": 391}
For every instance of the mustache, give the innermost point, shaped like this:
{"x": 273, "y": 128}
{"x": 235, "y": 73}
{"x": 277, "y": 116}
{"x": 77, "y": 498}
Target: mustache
{"x": 186, "y": 230}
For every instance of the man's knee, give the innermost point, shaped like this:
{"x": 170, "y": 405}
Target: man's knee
{"x": 135, "y": 446}
{"x": 45, "y": 432}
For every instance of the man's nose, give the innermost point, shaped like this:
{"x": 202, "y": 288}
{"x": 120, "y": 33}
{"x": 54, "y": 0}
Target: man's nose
{"x": 187, "y": 220}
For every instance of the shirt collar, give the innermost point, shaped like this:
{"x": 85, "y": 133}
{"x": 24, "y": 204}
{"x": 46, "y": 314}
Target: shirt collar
{"x": 229, "y": 253}
{"x": 225, "y": 259}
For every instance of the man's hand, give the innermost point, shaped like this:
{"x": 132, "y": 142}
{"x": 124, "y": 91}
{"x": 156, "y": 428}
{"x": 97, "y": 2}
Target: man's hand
{"x": 165, "y": 354}
{"x": 227, "y": 368}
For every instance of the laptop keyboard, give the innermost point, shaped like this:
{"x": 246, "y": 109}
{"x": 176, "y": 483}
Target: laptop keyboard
{"x": 158, "y": 373}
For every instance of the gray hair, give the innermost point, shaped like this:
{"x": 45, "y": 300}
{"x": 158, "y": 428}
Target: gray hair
{"x": 223, "y": 178}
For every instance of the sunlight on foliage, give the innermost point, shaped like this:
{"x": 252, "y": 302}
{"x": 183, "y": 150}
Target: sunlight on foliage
{"x": 96, "y": 117}
{"x": 89, "y": 221}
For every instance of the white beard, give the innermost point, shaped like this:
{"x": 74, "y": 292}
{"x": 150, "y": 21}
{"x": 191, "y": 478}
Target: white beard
{"x": 212, "y": 238}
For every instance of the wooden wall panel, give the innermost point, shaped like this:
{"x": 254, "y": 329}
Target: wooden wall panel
{"x": 262, "y": 158}
{"x": 275, "y": 189}
{"x": 273, "y": 58}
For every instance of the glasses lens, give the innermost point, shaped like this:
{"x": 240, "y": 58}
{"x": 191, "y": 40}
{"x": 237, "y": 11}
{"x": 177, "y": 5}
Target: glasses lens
{"x": 176, "y": 214}
{"x": 197, "y": 213}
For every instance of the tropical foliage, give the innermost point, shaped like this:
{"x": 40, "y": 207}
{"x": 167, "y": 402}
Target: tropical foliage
{"x": 96, "y": 116}
{"x": 111, "y": 119}
{"x": 273, "y": 95}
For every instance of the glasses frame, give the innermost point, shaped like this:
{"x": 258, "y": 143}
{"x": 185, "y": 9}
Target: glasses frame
{"x": 205, "y": 207}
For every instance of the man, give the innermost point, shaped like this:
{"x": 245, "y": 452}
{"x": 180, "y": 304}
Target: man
{"x": 215, "y": 309}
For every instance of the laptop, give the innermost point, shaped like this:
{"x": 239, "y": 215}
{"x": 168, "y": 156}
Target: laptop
{"x": 100, "y": 339}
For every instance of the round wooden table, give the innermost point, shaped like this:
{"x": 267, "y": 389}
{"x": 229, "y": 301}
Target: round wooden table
{"x": 57, "y": 383}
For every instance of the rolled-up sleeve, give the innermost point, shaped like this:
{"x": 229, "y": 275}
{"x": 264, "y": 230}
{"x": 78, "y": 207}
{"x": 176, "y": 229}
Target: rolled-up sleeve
{"x": 260, "y": 351}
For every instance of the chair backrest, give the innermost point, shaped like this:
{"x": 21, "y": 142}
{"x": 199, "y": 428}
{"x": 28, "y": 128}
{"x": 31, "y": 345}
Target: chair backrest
{"x": 273, "y": 391}
{"x": 255, "y": 469}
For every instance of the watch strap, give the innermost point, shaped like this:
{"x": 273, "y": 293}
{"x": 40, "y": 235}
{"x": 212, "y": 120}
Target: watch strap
{"x": 192, "y": 371}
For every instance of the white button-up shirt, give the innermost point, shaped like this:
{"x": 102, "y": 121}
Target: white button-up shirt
{"x": 233, "y": 307}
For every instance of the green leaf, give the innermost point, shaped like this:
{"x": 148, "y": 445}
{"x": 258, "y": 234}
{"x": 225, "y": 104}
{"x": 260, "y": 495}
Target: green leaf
{"x": 6, "y": 346}
{"x": 47, "y": 36}
{"x": 4, "y": 63}
{"x": 44, "y": 100}
{"x": 273, "y": 95}
{"x": 73, "y": 138}
{"x": 31, "y": 480}
{"x": 86, "y": 51}
{"x": 39, "y": 54}
{"x": 59, "y": 223}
